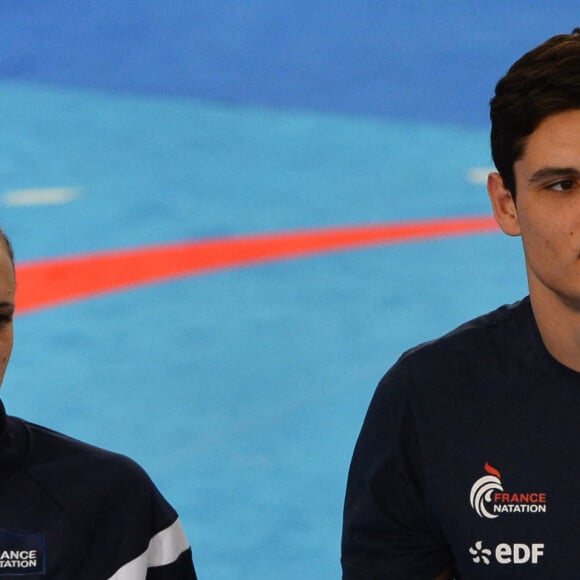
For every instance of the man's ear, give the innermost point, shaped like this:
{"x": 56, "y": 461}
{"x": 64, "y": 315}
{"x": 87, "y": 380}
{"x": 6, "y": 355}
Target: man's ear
{"x": 503, "y": 204}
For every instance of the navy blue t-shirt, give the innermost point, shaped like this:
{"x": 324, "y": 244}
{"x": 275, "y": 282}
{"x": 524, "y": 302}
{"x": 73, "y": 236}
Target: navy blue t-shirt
{"x": 468, "y": 458}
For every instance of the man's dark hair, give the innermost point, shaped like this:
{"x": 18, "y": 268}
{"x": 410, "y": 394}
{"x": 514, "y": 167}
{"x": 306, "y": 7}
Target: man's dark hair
{"x": 543, "y": 82}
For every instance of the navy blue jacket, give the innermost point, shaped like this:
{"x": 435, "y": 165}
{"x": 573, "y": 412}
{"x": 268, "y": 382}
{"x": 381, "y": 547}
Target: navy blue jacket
{"x": 71, "y": 511}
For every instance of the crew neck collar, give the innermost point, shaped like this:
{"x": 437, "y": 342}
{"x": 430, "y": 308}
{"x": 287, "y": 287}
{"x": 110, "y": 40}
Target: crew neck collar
{"x": 547, "y": 355}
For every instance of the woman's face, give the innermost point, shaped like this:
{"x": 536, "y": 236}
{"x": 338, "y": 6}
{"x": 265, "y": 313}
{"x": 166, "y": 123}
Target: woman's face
{"x": 7, "y": 304}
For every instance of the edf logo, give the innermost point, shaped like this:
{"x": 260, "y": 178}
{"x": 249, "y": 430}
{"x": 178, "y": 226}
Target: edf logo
{"x": 507, "y": 553}
{"x": 518, "y": 553}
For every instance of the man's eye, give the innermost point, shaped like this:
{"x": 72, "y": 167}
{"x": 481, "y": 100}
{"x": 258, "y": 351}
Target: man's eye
{"x": 563, "y": 185}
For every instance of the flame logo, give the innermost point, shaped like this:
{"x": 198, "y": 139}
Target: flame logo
{"x": 482, "y": 489}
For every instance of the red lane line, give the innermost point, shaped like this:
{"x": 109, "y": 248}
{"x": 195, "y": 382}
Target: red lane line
{"x": 51, "y": 282}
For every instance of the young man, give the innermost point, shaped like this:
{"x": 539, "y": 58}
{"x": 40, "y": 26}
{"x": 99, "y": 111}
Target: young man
{"x": 467, "y": 462}
{"x": 70, "y": 511}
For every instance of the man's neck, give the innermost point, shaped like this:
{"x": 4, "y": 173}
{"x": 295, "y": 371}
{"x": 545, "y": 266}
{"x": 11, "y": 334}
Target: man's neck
{"x": 559, "y": 324}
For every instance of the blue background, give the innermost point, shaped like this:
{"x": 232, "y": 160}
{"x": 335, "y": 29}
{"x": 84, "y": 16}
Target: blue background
{"x": 242, "y": 392}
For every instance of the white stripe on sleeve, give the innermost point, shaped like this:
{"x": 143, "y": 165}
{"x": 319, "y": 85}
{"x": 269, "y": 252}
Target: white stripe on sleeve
{"x": 164, "y": 548}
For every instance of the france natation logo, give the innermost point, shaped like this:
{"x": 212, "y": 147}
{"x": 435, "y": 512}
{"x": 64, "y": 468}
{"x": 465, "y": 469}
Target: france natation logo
{"x": 489, "y": 499}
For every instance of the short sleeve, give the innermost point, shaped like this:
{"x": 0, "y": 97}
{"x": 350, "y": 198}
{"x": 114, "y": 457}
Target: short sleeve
{"x": 386, "y": 529}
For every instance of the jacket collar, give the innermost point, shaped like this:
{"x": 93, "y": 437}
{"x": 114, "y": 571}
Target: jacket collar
{"x": 13, "y": 443}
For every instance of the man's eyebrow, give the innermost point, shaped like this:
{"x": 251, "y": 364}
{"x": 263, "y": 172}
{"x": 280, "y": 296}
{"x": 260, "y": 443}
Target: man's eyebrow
{"x": 553, "y": 173}
{"x": 8, "y": 305}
